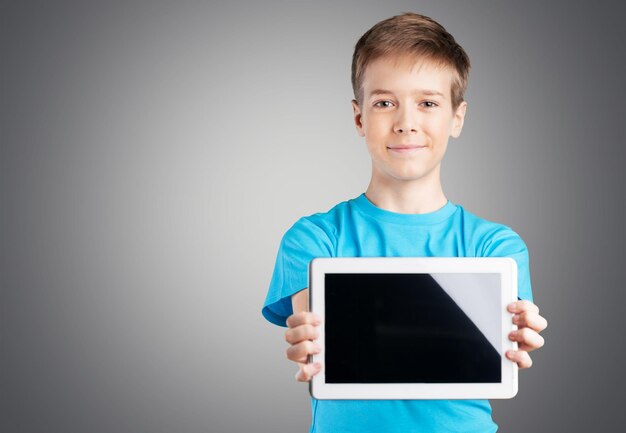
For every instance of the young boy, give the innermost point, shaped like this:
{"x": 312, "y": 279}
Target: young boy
{"x": 408, "y": 77}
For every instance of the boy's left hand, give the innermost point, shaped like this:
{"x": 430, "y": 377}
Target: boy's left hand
{"x": 529, "y": 325}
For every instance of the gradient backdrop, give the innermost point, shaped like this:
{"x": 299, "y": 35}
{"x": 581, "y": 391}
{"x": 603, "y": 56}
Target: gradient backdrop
{"x": 154, "y": 153}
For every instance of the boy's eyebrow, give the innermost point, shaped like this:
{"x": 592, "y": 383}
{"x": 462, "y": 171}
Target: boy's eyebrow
{"x": 420, "y": 92}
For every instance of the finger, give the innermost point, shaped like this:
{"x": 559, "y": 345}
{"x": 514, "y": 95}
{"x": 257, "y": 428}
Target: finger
{"x": 528, "y": 339}
{"x": 530, "y": 320}
{"x": 300, "y": 352}
{"x": 523, "y": 305}
{"x": 521, "y": 357}
{"x": 301, "y": 333}
{"x": 303, "y": 318}
{"x": 307, "y": 371}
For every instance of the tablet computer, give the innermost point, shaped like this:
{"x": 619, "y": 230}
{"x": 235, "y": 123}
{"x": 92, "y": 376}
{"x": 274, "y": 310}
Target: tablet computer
{"x": 413, "y": 328}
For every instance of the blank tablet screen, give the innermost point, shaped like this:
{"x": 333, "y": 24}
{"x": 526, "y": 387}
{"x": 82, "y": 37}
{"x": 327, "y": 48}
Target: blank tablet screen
{"x": 412, "y": 328}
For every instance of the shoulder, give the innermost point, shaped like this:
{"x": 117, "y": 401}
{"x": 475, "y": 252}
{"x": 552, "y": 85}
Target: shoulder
{"x": 321, "y": 224}
{"x": 491, "y": 238}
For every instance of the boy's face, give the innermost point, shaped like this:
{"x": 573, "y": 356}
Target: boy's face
{"x": 406, "y": 118}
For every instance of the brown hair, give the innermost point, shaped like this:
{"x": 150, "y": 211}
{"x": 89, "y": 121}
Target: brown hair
{"x": 414, "y": 36}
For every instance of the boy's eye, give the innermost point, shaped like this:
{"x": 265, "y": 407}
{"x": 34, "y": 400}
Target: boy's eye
{"x": 429, "y": 104}
{"x": 383, "y": 104}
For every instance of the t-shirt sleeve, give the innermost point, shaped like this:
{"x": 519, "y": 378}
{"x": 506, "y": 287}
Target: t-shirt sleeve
{"x": 507, "y": 243}
{"x": 300, "y": 244}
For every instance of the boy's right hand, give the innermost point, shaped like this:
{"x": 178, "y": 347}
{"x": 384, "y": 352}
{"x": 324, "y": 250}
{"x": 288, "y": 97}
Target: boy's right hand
{"x": 303, "y": 329}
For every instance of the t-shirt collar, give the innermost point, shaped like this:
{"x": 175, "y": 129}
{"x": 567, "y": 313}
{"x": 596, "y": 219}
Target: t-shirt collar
{"x": 367, "y": 207}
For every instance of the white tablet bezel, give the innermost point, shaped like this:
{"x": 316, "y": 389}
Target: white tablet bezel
{"x": 504, "y": 266}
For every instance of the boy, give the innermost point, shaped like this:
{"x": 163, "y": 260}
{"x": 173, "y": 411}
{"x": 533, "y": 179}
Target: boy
{"x": 408, "y": 77}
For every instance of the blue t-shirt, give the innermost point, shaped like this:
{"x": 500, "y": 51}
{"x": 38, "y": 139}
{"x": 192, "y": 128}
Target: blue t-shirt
{"x": 357, "y": 228}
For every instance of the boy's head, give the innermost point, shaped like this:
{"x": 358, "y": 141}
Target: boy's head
{"x": 409, "y": 76}
{"x": 415, "y": 38}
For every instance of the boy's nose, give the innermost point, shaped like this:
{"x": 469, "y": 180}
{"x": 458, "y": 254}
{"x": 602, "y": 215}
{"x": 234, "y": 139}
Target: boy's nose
{"x": 406, "y": 122}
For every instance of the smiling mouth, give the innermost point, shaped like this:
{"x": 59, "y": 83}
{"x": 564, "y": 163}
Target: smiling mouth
{"x": 405, "y": 149}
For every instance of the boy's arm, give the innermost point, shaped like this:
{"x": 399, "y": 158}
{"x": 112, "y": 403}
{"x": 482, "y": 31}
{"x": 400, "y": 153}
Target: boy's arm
{"x": 507, "y": 243}
{"x": 300, "y": 335}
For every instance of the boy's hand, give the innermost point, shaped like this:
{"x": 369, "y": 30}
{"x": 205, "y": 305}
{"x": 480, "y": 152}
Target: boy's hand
{"x": 529, "y": 325}
{"x": 300, "y": 335}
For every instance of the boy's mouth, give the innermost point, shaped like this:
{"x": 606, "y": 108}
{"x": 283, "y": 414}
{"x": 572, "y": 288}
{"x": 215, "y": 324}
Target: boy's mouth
{"x": 405, "y": 148}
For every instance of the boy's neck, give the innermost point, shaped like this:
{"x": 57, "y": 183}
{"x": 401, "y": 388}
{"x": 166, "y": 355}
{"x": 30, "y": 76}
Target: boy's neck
{"x": 407, "y": 197}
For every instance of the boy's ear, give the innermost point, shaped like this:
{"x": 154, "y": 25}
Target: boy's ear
{"x": 358, "y": 118}
{"x": 458, "y": 119}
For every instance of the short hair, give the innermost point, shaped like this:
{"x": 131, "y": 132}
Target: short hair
{"x": 414, "y": 36}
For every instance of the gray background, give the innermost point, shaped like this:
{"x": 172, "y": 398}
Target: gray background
{"x": 153, "y": 154}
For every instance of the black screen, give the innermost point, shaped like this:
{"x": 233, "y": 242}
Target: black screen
{"x": 402, "y": 328}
